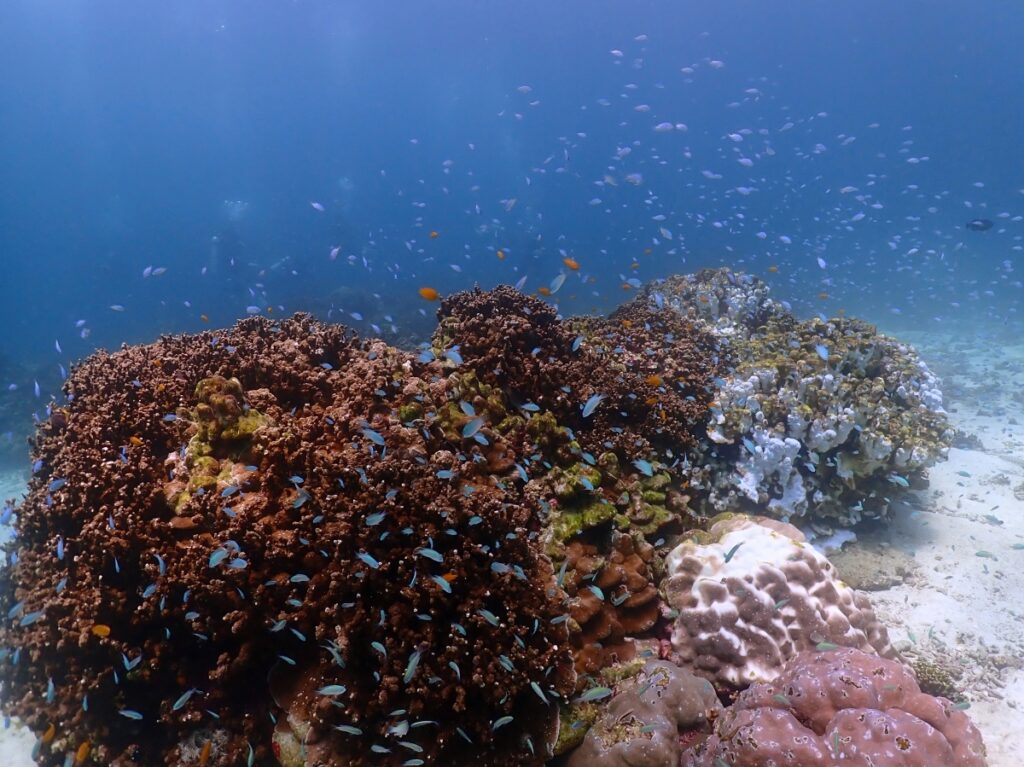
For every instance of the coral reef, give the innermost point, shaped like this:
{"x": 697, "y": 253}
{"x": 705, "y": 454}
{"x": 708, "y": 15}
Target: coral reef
{"x": 820, "y": 420}
{"x": 209, "y": 510}
{"x": 750, "y": 594}
{"x": 836, "y": 708}
{"x": 649, "y": 721}
{"x": 644, "y": 373}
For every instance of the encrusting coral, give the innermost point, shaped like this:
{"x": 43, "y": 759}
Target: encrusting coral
{"x": 749, "y": 594}
{"x": 840, "y": 707}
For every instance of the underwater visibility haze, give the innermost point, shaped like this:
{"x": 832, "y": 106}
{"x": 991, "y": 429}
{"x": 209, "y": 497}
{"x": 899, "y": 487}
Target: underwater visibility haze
{"x": 511, "y": 383}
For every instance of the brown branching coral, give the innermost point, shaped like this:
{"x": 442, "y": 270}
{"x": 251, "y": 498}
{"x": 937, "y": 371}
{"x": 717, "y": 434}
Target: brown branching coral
{"x": 277, "y": 499}
{"x": 651, "y": 370}
{"x": 841, "y": 707}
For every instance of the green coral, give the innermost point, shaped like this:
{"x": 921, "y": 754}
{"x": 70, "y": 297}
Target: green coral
{"x": 935, "y": 679}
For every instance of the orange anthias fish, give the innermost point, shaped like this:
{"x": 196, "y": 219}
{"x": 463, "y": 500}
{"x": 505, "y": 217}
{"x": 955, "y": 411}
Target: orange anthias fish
{"x": 572, "y": 263}
{"x": 429, "y": 293}
{"x": 544, "y": 290}
{"x": 434, "y": 234}
{"x": 773, "y": 269}
{"x": 501, "y": 255}
{"x": 653, "y": 380}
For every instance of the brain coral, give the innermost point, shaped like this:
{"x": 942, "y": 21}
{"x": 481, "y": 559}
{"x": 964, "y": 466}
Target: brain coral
{"x": 753, "y": 595}
{"x": 841, "y": 707}
{"x": 650, "y": 718}
{"x": 824, "y": 420}
{"x": 273, "y": 523}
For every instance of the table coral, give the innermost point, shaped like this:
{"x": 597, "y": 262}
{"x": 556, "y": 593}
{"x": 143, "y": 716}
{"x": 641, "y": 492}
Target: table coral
{"x": 749, "y": 594}
{"x": 841, "y": 707}
{"x": 649, "y": 719}
{"x": 279, "y": 499}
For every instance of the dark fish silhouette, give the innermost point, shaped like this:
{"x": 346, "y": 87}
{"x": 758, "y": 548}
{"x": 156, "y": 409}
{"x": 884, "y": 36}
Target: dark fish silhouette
{"x": 979, "y": 224}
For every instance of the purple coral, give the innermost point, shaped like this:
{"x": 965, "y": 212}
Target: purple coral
{"x": 838, "y": 708}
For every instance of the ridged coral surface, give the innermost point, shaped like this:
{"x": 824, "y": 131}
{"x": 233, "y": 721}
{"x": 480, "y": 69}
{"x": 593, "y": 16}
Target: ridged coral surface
{"x": 753, "y": 596}
{"x": 837, "y": 708}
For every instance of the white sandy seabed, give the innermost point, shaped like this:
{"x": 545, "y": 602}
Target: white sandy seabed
{"x": 960, "y": 600}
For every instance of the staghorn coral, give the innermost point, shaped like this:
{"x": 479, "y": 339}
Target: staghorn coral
{"x": 818, "y": 420}
{"x": 649, "y": 719}
{"x": 751, "y": 594}
{"x": 215, "y": 508}
{"x": 841, "y": 707}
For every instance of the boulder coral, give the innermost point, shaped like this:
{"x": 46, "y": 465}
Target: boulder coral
{"x": 749, "y": 594}
{"x": 840, "y": 707}
{"x": 650, "y": 720}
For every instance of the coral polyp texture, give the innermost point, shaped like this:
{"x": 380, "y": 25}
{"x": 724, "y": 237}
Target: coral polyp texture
{"x": 841, "y": 707}
{"x": 750, "y": 593}
{"x": 263, "y": 543}
{"x": 650, "y": 719}
{"x": 820, "y": 421}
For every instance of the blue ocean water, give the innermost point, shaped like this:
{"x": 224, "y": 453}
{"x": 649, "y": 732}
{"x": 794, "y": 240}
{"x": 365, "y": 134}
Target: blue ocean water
{"x": 168, "y": 167}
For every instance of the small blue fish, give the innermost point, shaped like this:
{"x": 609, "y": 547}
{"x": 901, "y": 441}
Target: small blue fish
{"x": 170, "y": 417}
{"x": 822, "y": 351}
{"x": 442, "y": 583}
{"x": 591, "y": 405}
{"x": 218, "y": 556}
{"x": 410, "y": 669}
{"x": 431, "y": 554}
{"x": 373, "y": 436}
{"x": 471, "y": 428}
{"x": 181, "y": 701}
{"x": 368, "y": 559}
{"x": 129, "y": 714}
{"x": 228, "y": 491}
{"x": 453, "y": 355}
{"x": 645, "y": 467}
{"x": 332, "y": 690}
{"x": 502, "y": 721}
{"x": 594, "y": 693}
{"x": 375, "y": 519}
{"x": 56, "y": 484}
{"x": 348, "y": 729}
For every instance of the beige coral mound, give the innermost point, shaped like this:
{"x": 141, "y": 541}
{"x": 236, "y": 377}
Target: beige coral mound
{"x": 837, "y": 708}
{"x": 649, "y": 720}
{"x": 753, "y": 596}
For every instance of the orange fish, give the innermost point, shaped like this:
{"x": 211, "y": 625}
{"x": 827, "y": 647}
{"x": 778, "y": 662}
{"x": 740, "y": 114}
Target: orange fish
{"x": 101, "y": 630}
{"x": 449, "y": 577}
{"x": 823, "y": 295}
{"x": 653, "y": 380}
{"x": 270, "y": 310}
{"x": 501, "y": 255}
{"x": 626, "y": 286}
{"x": 627, "y": 323}
{"x": 773, "y": 269}
{"x": 82, "y": 753}
{"x": 648, "y": 251}
{"x": 429, "y": 293}
{"x": 48, "y": 735}
{"x": 634, "y": 265}
{"x": 572, "y": 263}
{"x": 204, "y": 755}
{"x": 204, "y": 318}
{"x": 434, "y": 234}
{"x": 651, "y": 401}
{"x": 135, "y": 441}
{"x": 544, "y": 290}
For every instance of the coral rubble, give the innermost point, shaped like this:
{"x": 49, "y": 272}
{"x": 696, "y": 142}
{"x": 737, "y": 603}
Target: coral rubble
{"x": 841, "y": 707}
{"x": 752, "y": 594}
